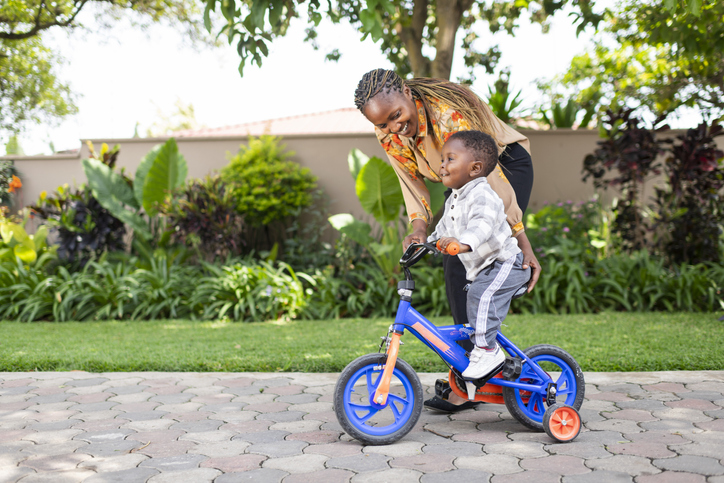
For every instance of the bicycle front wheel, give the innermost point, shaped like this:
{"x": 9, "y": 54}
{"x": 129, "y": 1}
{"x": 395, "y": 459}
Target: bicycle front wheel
{"x": 366, "y": 421}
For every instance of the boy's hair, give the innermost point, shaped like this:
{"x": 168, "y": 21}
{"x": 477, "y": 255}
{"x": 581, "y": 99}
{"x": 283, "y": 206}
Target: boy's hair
{"x": 481, "y": 146}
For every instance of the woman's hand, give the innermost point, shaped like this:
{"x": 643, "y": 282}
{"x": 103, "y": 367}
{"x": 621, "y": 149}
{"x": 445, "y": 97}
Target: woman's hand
{"x": 418, "y": 235}
{"x": 529, "y": 260}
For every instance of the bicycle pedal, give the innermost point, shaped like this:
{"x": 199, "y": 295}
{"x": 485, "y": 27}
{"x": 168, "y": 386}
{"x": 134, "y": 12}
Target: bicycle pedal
{"x": 484, "y": 380}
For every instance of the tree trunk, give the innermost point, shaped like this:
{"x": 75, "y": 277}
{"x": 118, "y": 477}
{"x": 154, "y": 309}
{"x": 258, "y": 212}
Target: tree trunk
{"x": 410, "y": 30}
{"x": 449, "y": 14}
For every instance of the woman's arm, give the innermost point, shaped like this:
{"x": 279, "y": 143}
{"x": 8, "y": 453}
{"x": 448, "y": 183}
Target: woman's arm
{"x": 529, "y": 259}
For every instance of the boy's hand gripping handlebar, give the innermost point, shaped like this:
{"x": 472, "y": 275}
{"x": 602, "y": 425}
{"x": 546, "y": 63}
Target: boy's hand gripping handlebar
{"x": 452, "y": 248}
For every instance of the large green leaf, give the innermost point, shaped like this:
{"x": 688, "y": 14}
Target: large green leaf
{"x": 378, "y": 190}
{"x": 437, "y": 195}
{"x": 15, "y": 237}
{"x": 356, "y": 160}
{"x": 41, "y": 234}
{"x": 168, "y": 171}
{"x": 358, "y": 231}
{"x": 142, "y": 172}
{"x": 113, "y": 193}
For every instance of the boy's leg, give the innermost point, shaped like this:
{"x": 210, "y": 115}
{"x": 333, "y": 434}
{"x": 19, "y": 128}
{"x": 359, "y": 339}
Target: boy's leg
{"x": 489, "y": 299}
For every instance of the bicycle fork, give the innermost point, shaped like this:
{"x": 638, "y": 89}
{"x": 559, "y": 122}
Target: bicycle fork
{"x": 383, "y": 389}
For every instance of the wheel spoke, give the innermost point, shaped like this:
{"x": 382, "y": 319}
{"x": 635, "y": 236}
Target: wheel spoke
{"x": 392, "y": 399}
{"x": 358, "y": 407}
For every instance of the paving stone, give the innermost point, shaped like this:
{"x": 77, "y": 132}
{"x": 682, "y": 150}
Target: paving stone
{"x": 197, "y": 426}
{"x": 403, "y": 448}
{"x": 360, "y": 463}
{"x": 105, "y": 436}
{"x": 180, "y": 462}
{"x": 109, "y": 449}
{"x": 666, "y": 387}
{"x": 560, "y": 464}
{"x": 198, "y": 475}
{"x": 315, "y": 437}
{"x": 439, "y": 463}
{"x": 609, "y": 396}
{"x": 66, "y": 476}
{"x": 179, "y": 408}
{"x": 305, "y": 463}
{"x": 278, "y": 449}
{"x": 655, "y": 437}
{"x": 527, "y": 477}
{"x": 168, "y": 390}
{"x": 581, "y": 449}
{"x": 716, "y": 425}
{"x": 398, "y": 475}
{"x": 208, "y": 437}
{"x": 51, "y": 398}
{"x": 245, "y": 391}
{"x": 143, "y": 415}
{"x": 632, "y": 465}
{"x": 54, "y": 425}
{"x": 114, "y": 463}
{"x": 709, "y": 396}
{"x": 520, "y": 449}
{"x": 668, "y": 425}
{"x": 162, "y": 436}
{"x": 289, "y": 390}
{"x": 484, "y": 437}
{"x": 245, "y": 462}
{"x": 12, "y": 459}
{"x": 683, "y": 414}
{"x": 426, "y": 437}
{"x": 671, "y": 477}
{"x": 599, "y": 477}
{"x": 55, "y": 448}
{"x": 54, "y": 462}
{"x": 96, "y": 397}
{"x": 149, "y": 425}
{"x": 450, "y": 428}
{"x": 698, "y": 404}
{"x": 58, "y": 436}
{"x": 703, "y": 437}
{"x": 130, "y": 389}
{"x": 298, "y": 398}
{"x": 324, "y": 476}
{"x": 11, "y": 474}
{"x": 647, "y": 450}
{"x": 123, "y": 476}
{"x": 261, "y": 437}
{"x": 464, "y": 475}
{"x": 692, "y": 464}
{"x": 220, "y": 449}
{"x": 137, "y": 407}
{"x": 270, "y": 407}
{"x": 235, "y": 416}
{"x": 316, "y": 407}
{"x": 246, "y": 426}
{"x": 172, "y": 398}
{"x": 16, "y": 435}
{"x": 495, "y": 464}
{"x": 285, "y": 416}
{"x": 710, "y": 450}
{"x": 637, "y": 415}
{"x": 643, "y": 404}
{"x": 189, "y": 416}
{"x": 339, "y": 449}
{"x": 166, "y": 449}
{"x": 262, "y": 475}
{"x": 273, "y": 382}
{"x": 91, "y": 381}
{"x": 617, "y": 425}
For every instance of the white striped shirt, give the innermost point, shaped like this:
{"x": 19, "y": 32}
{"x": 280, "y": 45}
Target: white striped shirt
{"x": 475, "y": 215}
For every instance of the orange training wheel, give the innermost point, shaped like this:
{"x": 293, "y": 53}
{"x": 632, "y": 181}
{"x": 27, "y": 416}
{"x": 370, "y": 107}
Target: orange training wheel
{"x": 562, "y": 423}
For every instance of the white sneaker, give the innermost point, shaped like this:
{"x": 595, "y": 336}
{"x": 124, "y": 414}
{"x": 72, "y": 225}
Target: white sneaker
{"x": 483, "y": 362}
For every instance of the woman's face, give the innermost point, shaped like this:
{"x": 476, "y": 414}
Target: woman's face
{"x": 394, "y": 113}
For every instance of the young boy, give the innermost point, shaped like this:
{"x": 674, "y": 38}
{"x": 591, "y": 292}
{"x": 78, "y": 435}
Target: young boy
{"x": 474, "y": 218}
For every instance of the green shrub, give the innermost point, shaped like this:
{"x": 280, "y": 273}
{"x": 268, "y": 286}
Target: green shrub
{"x": 250, "y": 292}
{"x": 267, "y": 186}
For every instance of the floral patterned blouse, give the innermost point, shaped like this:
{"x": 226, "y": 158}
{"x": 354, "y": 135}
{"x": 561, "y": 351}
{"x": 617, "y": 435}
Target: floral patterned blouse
{"x": 414, "y": 159}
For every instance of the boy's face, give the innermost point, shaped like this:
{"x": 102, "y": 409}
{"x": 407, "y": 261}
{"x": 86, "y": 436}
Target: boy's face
{"x": 458, "y": 165}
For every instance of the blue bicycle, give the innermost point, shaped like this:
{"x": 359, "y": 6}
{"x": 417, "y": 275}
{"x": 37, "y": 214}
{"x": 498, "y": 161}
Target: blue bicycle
{"x": 378, "y": 397}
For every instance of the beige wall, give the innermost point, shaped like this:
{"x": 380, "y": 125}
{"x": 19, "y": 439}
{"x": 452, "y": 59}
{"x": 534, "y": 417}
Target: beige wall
{"x": 557, "y": 159}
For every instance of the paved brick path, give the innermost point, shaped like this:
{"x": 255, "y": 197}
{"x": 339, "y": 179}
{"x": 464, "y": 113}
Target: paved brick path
{"x": 188, "y": 427}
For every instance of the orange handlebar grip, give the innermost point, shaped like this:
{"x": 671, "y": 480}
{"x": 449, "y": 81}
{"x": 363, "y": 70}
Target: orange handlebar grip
{"x": 438, "y": 246}
{"x": 453, "y": 249}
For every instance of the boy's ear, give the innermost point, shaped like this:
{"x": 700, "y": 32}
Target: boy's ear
{"x": 476, "y": 167}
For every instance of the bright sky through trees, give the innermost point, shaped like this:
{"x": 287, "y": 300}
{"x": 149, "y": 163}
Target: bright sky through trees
{"x": 125, "y": 76}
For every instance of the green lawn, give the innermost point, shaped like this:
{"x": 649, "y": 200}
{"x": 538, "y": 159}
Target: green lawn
{"x": 603, "y": 342}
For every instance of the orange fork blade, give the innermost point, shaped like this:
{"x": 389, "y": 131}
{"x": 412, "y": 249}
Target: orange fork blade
{"x": 384, "y": 388}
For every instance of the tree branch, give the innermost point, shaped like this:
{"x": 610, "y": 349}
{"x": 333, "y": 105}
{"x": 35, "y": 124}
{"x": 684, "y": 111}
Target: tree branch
{"x": 39, "y": 25}
{"x": 410, "y": 31}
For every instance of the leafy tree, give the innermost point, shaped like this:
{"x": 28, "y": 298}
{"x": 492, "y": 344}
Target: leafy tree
{"x": 406, "y": 29}
{"x": 662, "y": 59}
{"x": 29, "y": 88}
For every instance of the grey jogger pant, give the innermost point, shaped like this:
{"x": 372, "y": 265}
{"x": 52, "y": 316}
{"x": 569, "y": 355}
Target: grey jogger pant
{"x": 489, "y": 297}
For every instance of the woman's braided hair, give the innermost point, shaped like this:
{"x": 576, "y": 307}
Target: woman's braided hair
{"x": 458, "y": 97}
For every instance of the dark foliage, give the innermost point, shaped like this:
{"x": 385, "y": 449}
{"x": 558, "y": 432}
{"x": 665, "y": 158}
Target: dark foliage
{"x": 85, "y": 229}
{"x": 203, "y": 215}
{"x": 691, "y": 208}
{"x": 630, "y": 151}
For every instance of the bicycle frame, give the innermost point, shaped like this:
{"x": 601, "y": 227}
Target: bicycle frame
{"x": 442, "y": 340}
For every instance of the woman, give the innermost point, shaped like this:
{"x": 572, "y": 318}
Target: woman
{"x": 413, "y": 119}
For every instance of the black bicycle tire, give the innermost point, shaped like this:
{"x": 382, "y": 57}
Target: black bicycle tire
{"x": 348, "y": 372}
{"x": 511, "y": 402}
